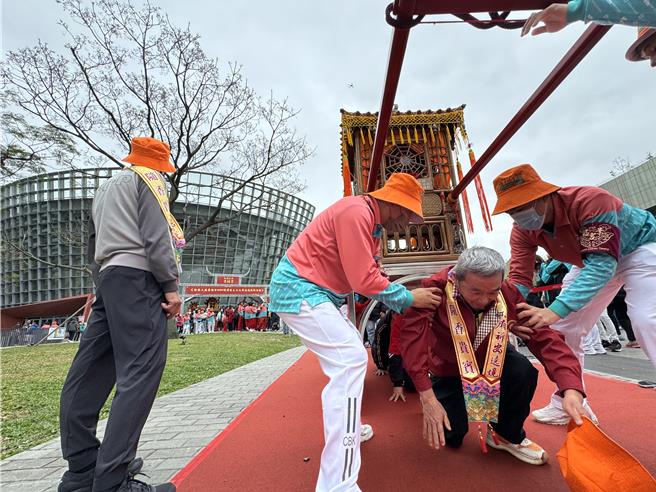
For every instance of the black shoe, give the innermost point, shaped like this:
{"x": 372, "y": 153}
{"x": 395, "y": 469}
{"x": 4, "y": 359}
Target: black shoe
{"x": 134, "y": 485}
{"x": 616, "y": 346}
{"x": 647, "y": 384}
{"x": 605, "y": 344}
{"x": 83, "y": 482}
{"x": 135, "y": 467}
{"x": 76, "y": 482}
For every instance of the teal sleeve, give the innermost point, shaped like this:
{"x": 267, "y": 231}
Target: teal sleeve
{"x": 395, "y": 297}
{"x": 523, "y": 290}
{"x": 598, "y": 269}
{"x": 626, "y": 12}
{"x": 575, "y": 10}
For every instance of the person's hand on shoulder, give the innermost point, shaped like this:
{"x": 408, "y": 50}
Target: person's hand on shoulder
{"x": 426, "y": 297}
{"x": 534, "y": 317}
{"x": 521, "y": 331}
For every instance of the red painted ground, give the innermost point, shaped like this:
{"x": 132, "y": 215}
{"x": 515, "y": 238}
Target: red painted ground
{"x": 264, "y": 449}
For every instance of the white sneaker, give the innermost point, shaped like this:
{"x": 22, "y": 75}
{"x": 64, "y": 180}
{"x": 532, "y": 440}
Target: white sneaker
{"x": 366, "y": 432}
{"x": 591, "y": 414}
{"x": 551, "y": 415}
{"x": 527, "y": 451}
{"x": 557, "y": 416}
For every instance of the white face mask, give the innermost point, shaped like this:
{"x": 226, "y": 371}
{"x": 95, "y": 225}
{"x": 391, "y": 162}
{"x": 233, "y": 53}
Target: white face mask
{"x": 528, "y": 219}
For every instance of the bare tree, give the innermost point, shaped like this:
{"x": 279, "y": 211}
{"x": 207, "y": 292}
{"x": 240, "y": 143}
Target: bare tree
{"x": 27, "y": 149}
{"x": 129, "y": 71}
{"x": 620, "y": 166}
{"x": 20, "y": 249}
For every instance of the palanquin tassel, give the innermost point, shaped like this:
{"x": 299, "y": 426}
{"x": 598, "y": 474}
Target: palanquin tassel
{"x": 465, "y": 201}
{"x": 485, "y": 210}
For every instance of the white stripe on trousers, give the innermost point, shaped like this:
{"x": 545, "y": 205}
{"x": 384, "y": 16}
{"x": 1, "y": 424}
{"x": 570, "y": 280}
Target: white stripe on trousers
{"x": 337, "y": 343}
{"x": 637, "y": 272}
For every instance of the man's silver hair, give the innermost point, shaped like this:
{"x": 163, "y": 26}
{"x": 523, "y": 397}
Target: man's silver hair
{"x": 479, "y": 260}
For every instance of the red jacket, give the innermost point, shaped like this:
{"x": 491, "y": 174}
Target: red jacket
{"x": 426, "y": 344}
{"x": 573, "y": 206}
{"x": 395, "y": 334}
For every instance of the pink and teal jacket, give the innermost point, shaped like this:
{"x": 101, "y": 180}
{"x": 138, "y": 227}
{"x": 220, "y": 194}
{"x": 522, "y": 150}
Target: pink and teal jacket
{"x": 627, "y": 12}
{"x": 593, "y": 230}
{"x": 338, "y": 253}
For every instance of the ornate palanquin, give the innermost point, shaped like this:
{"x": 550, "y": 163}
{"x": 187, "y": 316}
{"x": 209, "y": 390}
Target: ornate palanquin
{"x": 424, "y": 144}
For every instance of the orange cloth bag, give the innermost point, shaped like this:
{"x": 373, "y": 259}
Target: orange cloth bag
{"x": 591, "y": 461}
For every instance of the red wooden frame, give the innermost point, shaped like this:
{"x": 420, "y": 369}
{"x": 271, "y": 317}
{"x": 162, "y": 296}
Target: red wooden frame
{"x": 405, "y": 10}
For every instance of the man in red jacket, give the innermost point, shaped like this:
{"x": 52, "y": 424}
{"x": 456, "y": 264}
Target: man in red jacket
{"x": 443, "y": 350}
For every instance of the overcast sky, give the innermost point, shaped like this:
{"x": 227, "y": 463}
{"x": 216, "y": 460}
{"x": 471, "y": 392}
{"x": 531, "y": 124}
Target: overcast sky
{"x": 310, "y": 51}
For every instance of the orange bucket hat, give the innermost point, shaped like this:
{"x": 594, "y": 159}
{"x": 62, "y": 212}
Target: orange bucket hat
{"x": 150, "y": 152}
{"x": 518, "y": 186}
{"x": 635, "y": 50}
{"x": 404, "y": 190}
{"x": 591, "y": 461}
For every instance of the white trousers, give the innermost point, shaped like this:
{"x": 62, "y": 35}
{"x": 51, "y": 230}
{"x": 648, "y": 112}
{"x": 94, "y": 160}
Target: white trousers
{"x": 337, "y": 343}
{"x": 591, "y": 343}
{"x": 637, "y": 272}
{"x": 606, "y": 328}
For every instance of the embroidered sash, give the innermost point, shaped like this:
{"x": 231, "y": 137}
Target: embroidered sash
{"x": 157, "y": 186}
{"x": 481, "y": 390}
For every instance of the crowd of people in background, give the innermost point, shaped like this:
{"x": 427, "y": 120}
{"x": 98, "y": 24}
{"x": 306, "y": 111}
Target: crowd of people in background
{"x": 245, "y": 316}
{"x": 69, "y": 329}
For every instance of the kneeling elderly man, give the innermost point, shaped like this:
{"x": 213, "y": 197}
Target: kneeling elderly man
{"x": 464, "y": 368}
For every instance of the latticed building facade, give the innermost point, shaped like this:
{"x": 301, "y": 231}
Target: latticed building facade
{"x": 636, "y": 186}
{"x": 46, "y": 217}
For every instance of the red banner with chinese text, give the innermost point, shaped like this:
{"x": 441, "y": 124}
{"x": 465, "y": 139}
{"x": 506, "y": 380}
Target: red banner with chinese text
{"x": 225, "y": 290}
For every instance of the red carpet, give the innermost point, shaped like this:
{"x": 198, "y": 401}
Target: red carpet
{"x": 266, "y": 446}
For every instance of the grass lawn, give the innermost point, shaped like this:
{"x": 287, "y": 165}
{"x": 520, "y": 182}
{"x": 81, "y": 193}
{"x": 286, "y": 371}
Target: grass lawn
{"x": 32, "y": 378}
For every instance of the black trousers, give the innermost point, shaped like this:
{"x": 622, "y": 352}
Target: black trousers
{"x": 124, "y": 344}
{"x": 617, "y": 312}
{"x": 518, "y": 381}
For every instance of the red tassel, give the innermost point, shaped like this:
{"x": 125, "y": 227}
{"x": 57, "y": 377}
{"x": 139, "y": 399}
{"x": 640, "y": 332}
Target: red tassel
{"x": 465, "y": 202}
{"x": 346, "y": 176}
{"x": 482, "y": 435}
{"x": 480, "y": 191}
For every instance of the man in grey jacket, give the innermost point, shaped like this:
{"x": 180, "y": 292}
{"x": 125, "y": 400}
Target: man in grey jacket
{"x": 136, "y": 276}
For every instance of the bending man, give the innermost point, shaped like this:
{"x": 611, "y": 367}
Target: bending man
{"x": 335, "y": 255}
{"x": 475, "y": 374}
{"x": 608, "y": 243}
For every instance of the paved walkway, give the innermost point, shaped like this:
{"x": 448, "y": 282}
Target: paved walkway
{"x": 179, "y": 426}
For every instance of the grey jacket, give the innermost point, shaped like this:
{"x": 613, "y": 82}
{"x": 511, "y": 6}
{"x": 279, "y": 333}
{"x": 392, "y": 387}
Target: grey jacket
{"x": 127, "y": 228}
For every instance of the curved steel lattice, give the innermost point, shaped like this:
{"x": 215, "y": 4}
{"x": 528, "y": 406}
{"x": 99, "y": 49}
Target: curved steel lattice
{"x": 404, "y": 159}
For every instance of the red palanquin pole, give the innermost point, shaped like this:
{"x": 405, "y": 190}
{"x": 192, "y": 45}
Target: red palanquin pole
{"x": 405, "y": 9}
{"x": 582, "y": 47}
